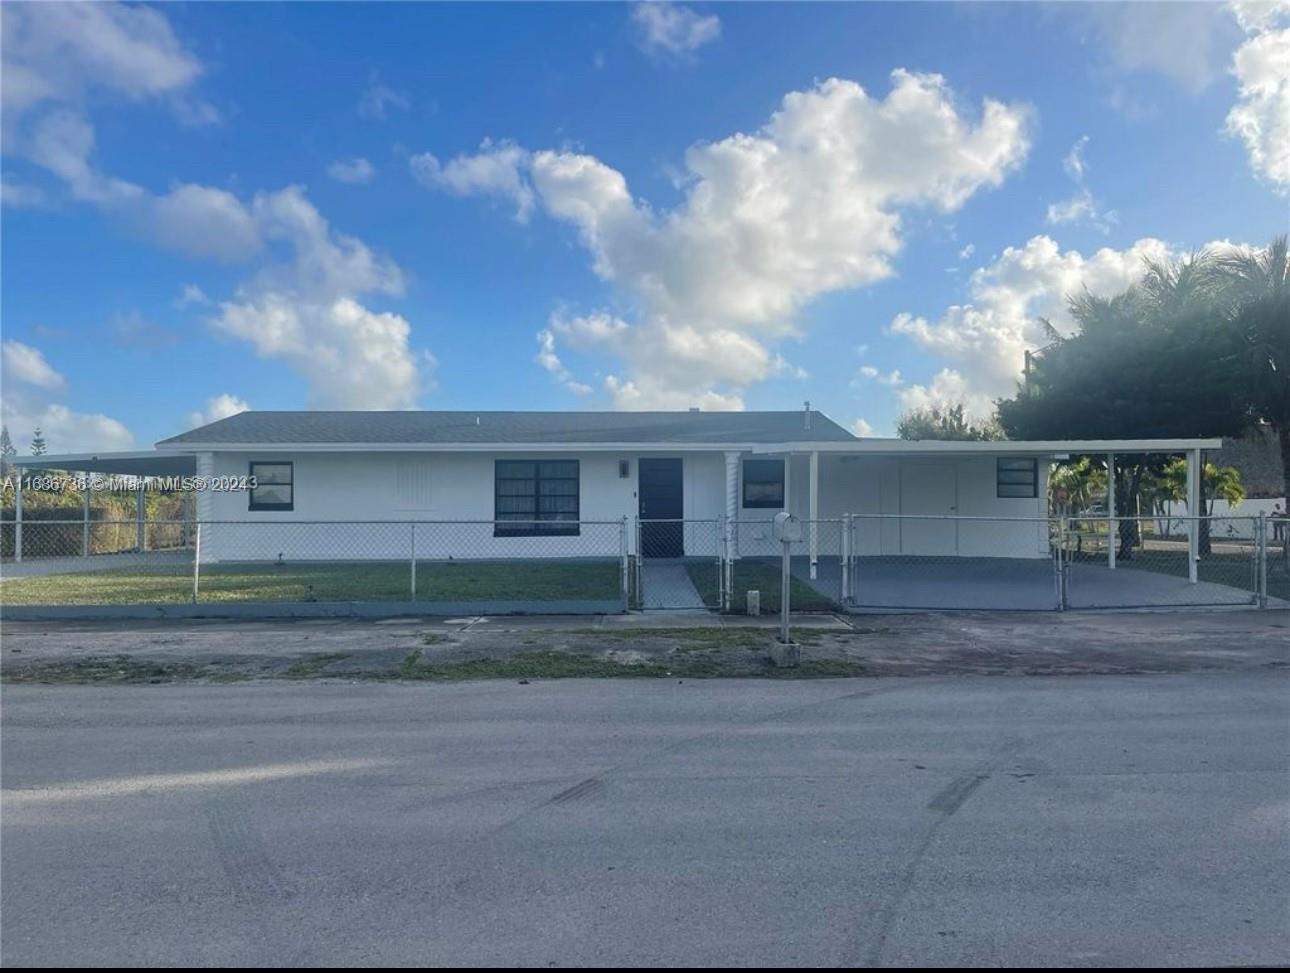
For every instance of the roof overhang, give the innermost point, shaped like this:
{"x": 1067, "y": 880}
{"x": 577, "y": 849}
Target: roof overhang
{"x": 1049, "y": 447}
{"x": 140, "y": 463}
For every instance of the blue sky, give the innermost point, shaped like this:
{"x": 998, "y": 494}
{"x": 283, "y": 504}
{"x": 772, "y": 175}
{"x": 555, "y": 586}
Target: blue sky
{"x": 210, "y": 206}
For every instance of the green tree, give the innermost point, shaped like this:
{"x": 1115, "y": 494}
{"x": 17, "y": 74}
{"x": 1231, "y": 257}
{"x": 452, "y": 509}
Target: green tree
{"x": 7, "y": 451}
{"x": 1258, "y": 284}
{"x": 1157, "y": 361}
{"x": 948, "y": 423}
{"x": 38, "y": 443}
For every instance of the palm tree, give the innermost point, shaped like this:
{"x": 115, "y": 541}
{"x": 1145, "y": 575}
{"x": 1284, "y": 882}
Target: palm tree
{"x": 1259, "y": 284}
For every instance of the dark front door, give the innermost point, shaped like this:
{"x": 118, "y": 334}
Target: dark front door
{"x": 662, "y": 505}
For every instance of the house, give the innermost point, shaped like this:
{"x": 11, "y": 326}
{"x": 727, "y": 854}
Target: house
{"x": 537, "y": 483}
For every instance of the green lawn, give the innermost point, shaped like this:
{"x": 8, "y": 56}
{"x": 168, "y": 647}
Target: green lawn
{"x": 354, "y": 581}
{"x": 762, "y": 576}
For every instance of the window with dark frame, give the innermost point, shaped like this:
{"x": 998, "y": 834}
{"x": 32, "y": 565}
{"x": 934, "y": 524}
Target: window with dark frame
{"x": 535, "y": 498}
{"x": 274, "y": 486}
{"x": 1017, "y": 479}
{"x": 764, "y": 483}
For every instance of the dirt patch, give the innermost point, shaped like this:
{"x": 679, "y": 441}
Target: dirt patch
{"x": 478, "y": 648}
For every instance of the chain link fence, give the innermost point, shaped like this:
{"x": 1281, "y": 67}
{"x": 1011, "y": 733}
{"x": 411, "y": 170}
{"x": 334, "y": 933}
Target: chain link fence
{"x": 854, "y": 563}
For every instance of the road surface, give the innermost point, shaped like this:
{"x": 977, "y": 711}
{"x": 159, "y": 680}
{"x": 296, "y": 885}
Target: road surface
{"x": 1097, "y": 820}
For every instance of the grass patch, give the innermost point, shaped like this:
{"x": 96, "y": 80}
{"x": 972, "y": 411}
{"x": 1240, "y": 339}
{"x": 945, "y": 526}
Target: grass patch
{"x": 311, "y": 665}
{"x": 528, "y": 665}
{"x": 333, "y": 581}
{"x": 111, "y": 669}
{"x": 762, "y": 576}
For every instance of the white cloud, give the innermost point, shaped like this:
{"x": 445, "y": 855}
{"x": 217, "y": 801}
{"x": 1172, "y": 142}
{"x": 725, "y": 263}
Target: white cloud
{"x": 549, "y": 360}
{"x": 986, "y": 339}
{"x": 29, "y": 384}
{"x": 378, "y": 98}
{"x": 191, "y": 295}
{"x": 54, "y": 52}
{"x": 27, "y": 365}
{"x": 872, "y": 374}
{"x": 217, "y": 407}
{"x": 203, "y": 222}
{"x": 966, "y": 252}
{"x": 355, "y": 171}
{"x": 495, "y": 170}
{"x": 64, "y": 430}
{"x": 1182, "y": 41}
{"x": 860, "y": 427}
{"x": 808, "y": 204}
{"x": 1081, "y": 207}
{"x": 948, "y": 388}
{"x": 1261, "y": 116}
{"x": 670, "y": 28}
{"x": 20, "y": 195}
{"x": 307, "y": 312}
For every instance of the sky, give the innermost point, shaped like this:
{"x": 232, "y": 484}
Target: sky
{"x": 212, "y": 207}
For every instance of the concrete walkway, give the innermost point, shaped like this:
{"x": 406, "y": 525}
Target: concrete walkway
{"x": 666, "y": 585}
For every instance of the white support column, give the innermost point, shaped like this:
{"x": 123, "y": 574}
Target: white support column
{"x": 732, "y": 501}
{"x": 788, "y": 481}
{"x": 814, "y": 511}
{"x": 1193, "y": 513}
{"x": 1112, "y": 541}
{"x": 20, "y": 472}
{"x": 140, "y": 538}
{"x": 85, "y": 524}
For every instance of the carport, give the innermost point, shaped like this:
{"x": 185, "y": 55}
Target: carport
{"x": 139, "y": 468}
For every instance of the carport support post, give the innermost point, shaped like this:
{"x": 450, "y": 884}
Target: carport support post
{"x": 1193, "y": 512}
{"x": 785, "y": 568}
{"x": 1111, "y": 531}
{"x": 814, "y": 509}
{"x": 17, "y": 514}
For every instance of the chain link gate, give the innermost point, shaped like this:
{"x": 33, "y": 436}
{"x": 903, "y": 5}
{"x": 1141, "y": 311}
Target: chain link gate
{"x": 678, "y": 565}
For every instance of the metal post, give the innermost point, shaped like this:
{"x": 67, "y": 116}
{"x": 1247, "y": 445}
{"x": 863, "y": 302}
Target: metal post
{"x": 413, "y": 561}
{"x": 640, "y": 595}
{"x": 1261, "y": 558}
{"x": 1059, "y": 574}
{"x": 846, "y": 558}
{"x": 85, "y": 523}
{"x": 813, "y": 500}
{"x": 1111, "y": 539}
{"x": 623, "y": 585}
{"x": 140, "y": 534}
{"x": 197, "y": 558}
{"x": 783, "y": 594}
{"x": 17, "y": 515}
{"x": 721, "y": 562}
{"x": 1193, "y": 512}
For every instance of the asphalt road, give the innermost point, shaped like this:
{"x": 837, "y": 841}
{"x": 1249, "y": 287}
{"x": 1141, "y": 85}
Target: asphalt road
{"x": 1099, "y": 820}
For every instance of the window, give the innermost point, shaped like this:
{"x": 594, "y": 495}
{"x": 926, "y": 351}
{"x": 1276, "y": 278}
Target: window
{"x": 274, "y": 489}
{"x": 1017, "y": 478}
{"x": 540, "y": 497}
{"x": 764, "y": 483}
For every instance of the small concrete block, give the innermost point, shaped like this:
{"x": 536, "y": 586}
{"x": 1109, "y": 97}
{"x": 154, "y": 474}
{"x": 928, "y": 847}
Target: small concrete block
{"x": 754, "y": 603}
{"x": 785, "y": 655}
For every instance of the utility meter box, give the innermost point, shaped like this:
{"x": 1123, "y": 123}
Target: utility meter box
{"x": 787, "y": 527}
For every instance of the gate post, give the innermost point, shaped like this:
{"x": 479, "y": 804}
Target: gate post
{"x": 846, "y": 559}
{"x": 1061, "y": 564}
{"x": 640, "y": 595}
{"x": 197, "y": 558}
{"x": 1261, "y": 559}
{"x": 623, "y": 582}
{"x": 412, "y": 556}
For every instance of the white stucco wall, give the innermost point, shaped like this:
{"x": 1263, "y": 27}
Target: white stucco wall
{"x": 435, "y": 486}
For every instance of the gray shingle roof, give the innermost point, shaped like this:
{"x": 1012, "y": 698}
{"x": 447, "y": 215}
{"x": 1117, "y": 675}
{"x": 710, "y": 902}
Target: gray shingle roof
{"x": 513, "y": 427}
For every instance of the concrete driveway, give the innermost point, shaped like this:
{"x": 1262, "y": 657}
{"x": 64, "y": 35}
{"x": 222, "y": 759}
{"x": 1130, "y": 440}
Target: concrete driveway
{"x": 1088, "y": 821}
